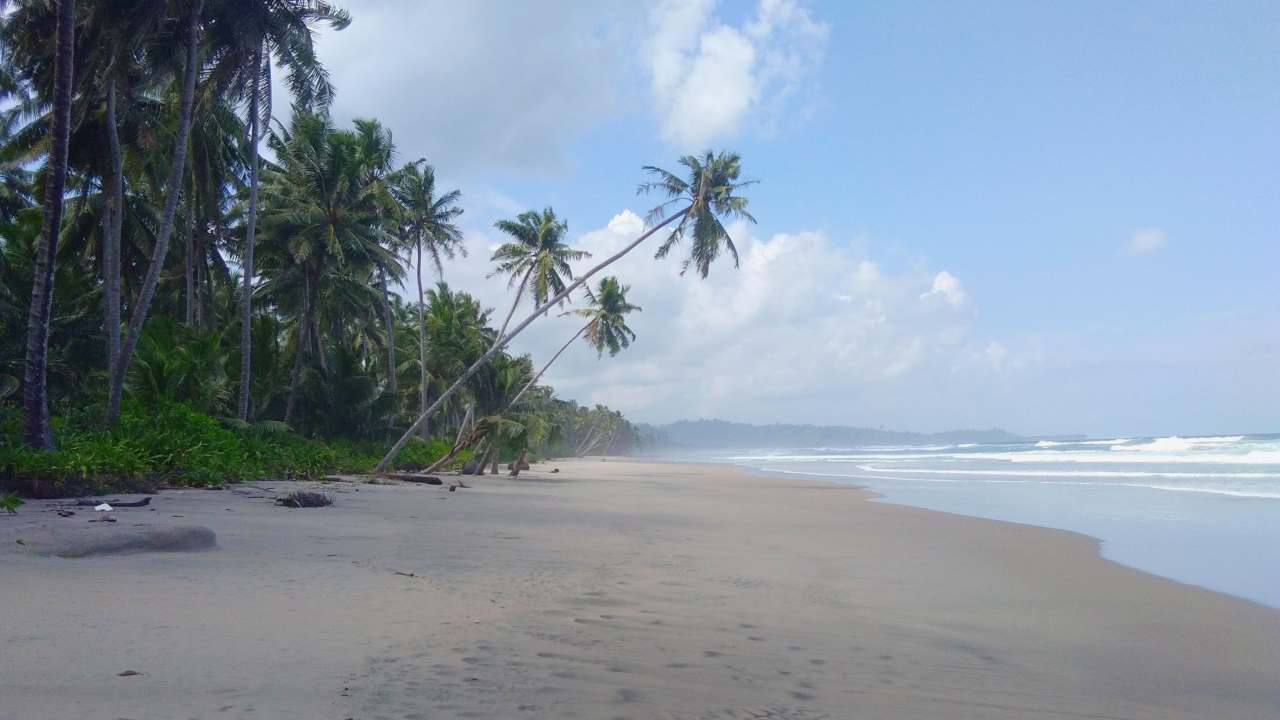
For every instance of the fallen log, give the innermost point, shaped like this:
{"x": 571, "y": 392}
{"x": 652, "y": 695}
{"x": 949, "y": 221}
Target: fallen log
{"x": 114, "y": 503}
{"x": 410, "y": 477}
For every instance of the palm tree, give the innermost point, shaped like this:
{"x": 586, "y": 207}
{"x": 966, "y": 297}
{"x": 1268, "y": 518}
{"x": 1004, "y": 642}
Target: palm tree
{"x": 243, "y": 36}
{"x": 536, "y": 258}
{"x": 606, "y": 327}
{"x": 709, "y": 193}
{"x": 35, "y": 396}
{"x": 321, "y": 217}
{"x": 172, "y": 190}
{"x": 428, "y": 221}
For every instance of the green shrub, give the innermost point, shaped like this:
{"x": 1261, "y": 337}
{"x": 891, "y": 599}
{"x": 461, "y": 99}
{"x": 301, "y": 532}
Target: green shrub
{"x": 172, "y": 444}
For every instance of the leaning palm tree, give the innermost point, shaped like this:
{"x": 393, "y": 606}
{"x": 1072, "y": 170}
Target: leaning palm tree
{"x": 606, "y": 327}
{"x": 35, "y": 396}
{"x": 537, "y": 258}
{"x": 428, "y": 222}
{"x": 707, "y": 194}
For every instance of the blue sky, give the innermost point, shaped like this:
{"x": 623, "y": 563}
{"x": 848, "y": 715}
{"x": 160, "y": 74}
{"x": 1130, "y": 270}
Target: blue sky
{"x": 1097, "y": 185}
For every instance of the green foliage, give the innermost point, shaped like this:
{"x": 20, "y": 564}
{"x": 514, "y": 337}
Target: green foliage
{"x": 10, "y": 503}
{"x": 176, "y": 445}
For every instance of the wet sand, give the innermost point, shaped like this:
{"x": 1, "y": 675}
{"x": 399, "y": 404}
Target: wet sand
{"x": 614, "y": 589}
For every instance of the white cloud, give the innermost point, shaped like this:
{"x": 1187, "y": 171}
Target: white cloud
{"x": 708, "y": 78}
{"x": 806, "y": 330}
{"x": 1146, "y": 241}
{"x": 947, "y": 287}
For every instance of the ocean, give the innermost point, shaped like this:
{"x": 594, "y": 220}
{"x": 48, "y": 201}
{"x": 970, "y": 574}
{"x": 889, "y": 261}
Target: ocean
{"x": 1201, "y": 510}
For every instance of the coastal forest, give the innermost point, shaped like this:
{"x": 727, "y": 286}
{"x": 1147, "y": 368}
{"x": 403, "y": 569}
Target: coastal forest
{"x": 203, "y": 283}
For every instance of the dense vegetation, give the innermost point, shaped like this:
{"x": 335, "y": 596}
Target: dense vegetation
{"x": 178, "y": 308}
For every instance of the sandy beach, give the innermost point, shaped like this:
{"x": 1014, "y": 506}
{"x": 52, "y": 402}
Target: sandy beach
{"x": 612, "y": 589}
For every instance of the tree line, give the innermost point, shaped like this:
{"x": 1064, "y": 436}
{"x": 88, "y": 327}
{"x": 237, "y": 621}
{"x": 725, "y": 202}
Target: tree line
{"x": 151, "y": 253}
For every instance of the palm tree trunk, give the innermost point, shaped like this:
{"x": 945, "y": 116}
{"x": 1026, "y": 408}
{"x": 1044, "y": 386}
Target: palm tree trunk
{"x": 304, "y": 326}
{"x": 189, "y": 254}
{"x": 493, "y": 459}
{"x": 202, "y": 275}
{"x": 589, "y": 440}
{"x": 389, "y": 322}
{"x": 515, "y": 467}
{"x": 35, "y": 397}
{"x": 250, "y": 234}
{"x": 538, "y": 377}
{"x": 504, "y": 339}
{"x": 115, "y": 226}
{"x": 458, "y": 446}
{"x": 173, "y": 188}
{"x": 519, "y": 293}
{"x": 464, "y": 426}
{"x": 424, "y": 387}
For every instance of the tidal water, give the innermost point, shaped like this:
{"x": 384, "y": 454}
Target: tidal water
{"x": 1201, "y": 510}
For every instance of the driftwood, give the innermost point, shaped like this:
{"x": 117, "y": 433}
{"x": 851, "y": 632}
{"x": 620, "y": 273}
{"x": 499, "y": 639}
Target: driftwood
{"x": 412, "y": 478}
{"x": 114, "y": 503}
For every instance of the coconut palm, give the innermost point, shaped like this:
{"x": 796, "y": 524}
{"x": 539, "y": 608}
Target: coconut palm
{"x": 35, "y": 397}
{"x": 428, "y": 223}
{"x": 606, "y": 327}
{"x": 243, "y": 37}
{"x": 191, "y": 64}
{"x": 537, "y": 259}
{"x": 708, "y": 194}
{"x": 319, "y": 216}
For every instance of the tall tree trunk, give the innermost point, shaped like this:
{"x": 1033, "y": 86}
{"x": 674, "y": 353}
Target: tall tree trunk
{"x": 393, "y": 383}
{"x": 202, "y": 274}
{"x": 35, "y": 398}
{"x": 173, "y": 188}
{"x": 465, "y": 426}
{"x": 189, "y": 255}
{"x": 250, "y": 234}
{"x": 304, "y": 327}
{"x": 538, "y": 377}
{"x": 493, "y": 459}
{"x": 519, "y": 293}
{"x": 424, "y": 387}
{"x": 589, "y": 440}
{"x": 504, "y": 339}
{"x": 111, "y": 242}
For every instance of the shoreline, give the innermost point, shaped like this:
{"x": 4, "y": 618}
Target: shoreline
{"x": 616, "y": 589}
{"x": 877, "y": 496}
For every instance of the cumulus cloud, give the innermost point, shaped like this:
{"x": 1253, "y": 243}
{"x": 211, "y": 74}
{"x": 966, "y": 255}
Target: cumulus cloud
{"x": 708, "y": 78}
{"x": 1146, "y": 241}
{"x": 946, "y": 287}
{"x": 806, "y": 330}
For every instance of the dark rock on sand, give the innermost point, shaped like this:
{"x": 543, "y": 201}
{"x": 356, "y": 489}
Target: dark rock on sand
{"x": 82, "y": 541}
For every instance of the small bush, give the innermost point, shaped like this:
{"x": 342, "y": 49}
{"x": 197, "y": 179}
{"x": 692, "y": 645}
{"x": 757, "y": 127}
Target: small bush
{"x": 10, "y": 503}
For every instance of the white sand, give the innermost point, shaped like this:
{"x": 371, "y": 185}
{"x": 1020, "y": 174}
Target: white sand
{"x": 612, "y": 590}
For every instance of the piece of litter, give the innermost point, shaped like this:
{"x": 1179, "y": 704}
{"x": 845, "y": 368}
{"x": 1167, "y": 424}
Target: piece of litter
{"x": 104, "y": 507}
{"x": 128, "y": 673}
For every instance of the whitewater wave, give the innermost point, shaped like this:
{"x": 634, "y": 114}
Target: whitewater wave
{"x": 1175, "y": 443}
{"x": 1059, "y": 443}
{"x": 1077, "y": 473}
{"x": 1234, "y": 491}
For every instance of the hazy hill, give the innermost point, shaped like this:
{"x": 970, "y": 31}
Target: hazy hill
{"x": 712, "y": 434}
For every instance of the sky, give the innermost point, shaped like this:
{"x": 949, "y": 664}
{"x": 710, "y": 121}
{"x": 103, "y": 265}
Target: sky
{"x": 1045, "y": 217}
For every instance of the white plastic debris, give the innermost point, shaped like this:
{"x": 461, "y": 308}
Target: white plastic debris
{"x": 104, "y": 507}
